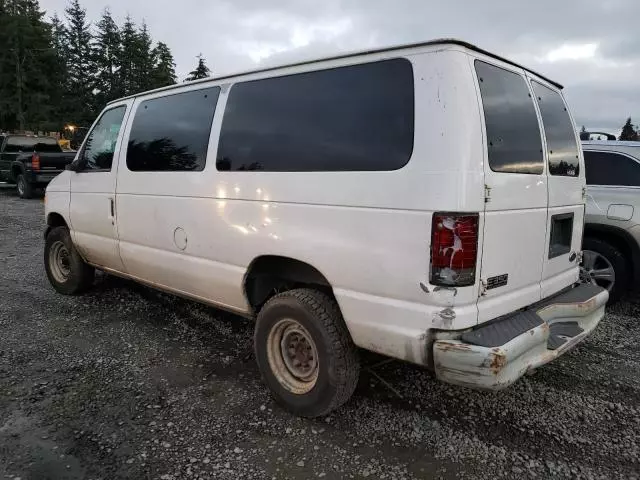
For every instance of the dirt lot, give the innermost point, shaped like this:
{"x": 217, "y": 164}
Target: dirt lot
{"x": 126, "y": 382}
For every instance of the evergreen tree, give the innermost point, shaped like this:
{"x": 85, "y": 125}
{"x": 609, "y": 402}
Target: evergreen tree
{"x": 584, "y": 135}
{"x": 107, "y": 51}
{"x": 55, "y": 73}
{"x": 143, "y": 60}
{"x": 80, "y": 69}
{"x": 58, "y": 36}
{"x": 59, "y": 75}
{"x": 201, "y": 71}
{"x": 164, "y": 70}
{"x": 27, "y": 59}
{"x": 628, "y": 131}
{"x": 128, "y": 39}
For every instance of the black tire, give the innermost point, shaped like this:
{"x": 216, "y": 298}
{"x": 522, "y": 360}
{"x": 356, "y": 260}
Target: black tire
{"x": 338, "y": 365}
{"x": 25, "y": 189}
{"x": 79, "y": 276}
{"x": 617, "y": 260}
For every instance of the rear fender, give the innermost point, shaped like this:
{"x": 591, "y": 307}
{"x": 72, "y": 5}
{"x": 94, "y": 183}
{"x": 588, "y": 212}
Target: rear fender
{"x": 618, "y": 236}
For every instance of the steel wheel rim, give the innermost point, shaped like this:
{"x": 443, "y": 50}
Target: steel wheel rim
{"x": 598, "y": 270}
{"x": 293, "y": 356}
{"x": 59, "y": 262}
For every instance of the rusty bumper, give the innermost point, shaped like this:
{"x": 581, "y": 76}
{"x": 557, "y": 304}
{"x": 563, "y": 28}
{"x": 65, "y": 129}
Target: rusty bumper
{"x": 492, "y": 357}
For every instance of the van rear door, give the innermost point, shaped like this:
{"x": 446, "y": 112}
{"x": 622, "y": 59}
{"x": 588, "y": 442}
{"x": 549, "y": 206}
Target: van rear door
{"x": 515, "y": 225}
{"x": 566, "y": 184}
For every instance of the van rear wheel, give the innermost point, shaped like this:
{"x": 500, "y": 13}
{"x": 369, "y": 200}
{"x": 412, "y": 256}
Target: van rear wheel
{"x": 66, "y": 270}
{"x": 305, "y": 353}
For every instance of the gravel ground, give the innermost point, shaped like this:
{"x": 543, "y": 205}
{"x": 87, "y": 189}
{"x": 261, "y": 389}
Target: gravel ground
{"x": 125, "y": 382}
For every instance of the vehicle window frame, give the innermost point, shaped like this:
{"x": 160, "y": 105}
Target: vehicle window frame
{"x": 219, "y": 91}
{"x": 481, "y": 103}
{"x": 610, "y": 152}
{"x": 81, "y": 161}
{"x": 300, "y": 170}
{"x": 548, "y": 151}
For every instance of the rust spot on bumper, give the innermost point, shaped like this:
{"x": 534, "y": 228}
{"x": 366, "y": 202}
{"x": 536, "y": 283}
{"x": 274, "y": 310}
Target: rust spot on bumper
{"x": 498, "y": 362}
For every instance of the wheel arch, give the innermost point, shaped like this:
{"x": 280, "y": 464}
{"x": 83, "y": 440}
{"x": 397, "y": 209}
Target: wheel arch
{"x": 17, "y": 168}
{"x": 622, "y": 240}
{"x": 270, "y": 274}
{"x": 54, "y": 219}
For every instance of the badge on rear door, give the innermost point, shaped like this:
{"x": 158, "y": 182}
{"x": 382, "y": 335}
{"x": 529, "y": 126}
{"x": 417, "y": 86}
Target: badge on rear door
{"x": 497, "y": 281}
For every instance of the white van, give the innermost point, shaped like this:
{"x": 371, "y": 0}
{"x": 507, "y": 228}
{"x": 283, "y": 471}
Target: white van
{"x": 425, "y": 202}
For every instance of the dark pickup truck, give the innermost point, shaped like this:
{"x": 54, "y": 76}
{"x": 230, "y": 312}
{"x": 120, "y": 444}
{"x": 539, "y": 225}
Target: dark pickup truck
{"x": 31, "y": 162}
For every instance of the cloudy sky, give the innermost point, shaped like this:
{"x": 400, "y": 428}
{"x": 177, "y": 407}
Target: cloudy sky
{"x": 590, "y": 46}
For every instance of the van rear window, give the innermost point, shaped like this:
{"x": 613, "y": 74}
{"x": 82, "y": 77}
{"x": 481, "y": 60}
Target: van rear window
{"x": 513, "y": 133}
{"x": 558, "y": 128}
{"x": 352, "y": 118}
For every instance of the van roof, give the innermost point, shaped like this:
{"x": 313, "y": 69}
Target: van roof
{"x": 441, "y": 41}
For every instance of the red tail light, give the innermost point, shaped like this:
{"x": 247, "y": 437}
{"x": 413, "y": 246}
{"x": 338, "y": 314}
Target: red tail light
{"x": 454, "y": 249}
{"x": 35, "y": 162}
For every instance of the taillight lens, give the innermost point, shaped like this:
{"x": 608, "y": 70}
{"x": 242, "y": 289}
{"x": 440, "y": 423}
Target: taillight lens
{"x": 454, "y": 249}
{"x": 35, "y": 161}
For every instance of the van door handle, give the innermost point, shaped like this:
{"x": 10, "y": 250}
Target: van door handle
{"x": 112, "y": 209}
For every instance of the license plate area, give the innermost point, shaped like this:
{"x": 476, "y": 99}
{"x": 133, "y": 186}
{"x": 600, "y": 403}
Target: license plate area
{"x": 561, "y": 234}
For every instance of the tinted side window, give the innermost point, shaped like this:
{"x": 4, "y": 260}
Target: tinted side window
{"x": 97, "y": 153}
{"x": 353, "y": 118}
{"x": 607, "y": 168}
{"x": 172, "y": 133}
{"x": 558, "y": 128}
{"x": 513, "y": 133}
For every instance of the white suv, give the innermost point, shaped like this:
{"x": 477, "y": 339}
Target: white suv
{"x": 612, "y": 226}
{"x": 425, "y": 202}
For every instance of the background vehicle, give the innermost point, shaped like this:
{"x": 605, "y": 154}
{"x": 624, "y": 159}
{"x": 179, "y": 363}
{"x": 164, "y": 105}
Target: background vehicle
{"x": 612, "y": 225}
{"x": 425, "y": 202}
{"x": 31, "y": 162}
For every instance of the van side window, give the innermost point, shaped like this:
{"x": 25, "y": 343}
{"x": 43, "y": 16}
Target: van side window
{"x": 558, "y": 128}
{"x": 513, "y": 134}
{"x": 98, "y": 150}
{"x": 354, "y": 118}
{"x": 171, "y": 133}
{"x": 608, "y": 168}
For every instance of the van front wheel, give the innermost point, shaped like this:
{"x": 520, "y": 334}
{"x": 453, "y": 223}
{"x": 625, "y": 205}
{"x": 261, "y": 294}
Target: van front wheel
{"x": 304, "y": 352}
{"x": 66, "y": 270}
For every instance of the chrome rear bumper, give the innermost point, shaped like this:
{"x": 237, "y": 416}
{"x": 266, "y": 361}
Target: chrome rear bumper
{"x": 493, "y": 356}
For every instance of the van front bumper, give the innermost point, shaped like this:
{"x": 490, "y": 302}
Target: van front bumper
{"x": 493, "y": 356}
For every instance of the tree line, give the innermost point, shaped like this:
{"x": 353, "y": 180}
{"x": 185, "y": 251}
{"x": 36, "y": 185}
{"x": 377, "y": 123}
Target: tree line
{"x": 630, "y": 132}
{"x": 60, "y": 71}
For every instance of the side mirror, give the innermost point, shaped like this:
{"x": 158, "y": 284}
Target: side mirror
{"x": 73, "y": 167}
